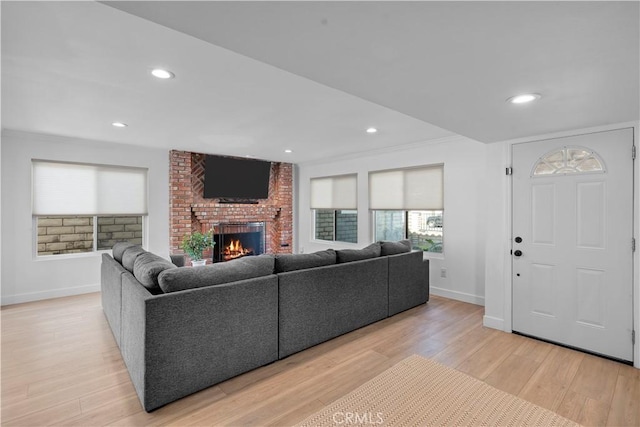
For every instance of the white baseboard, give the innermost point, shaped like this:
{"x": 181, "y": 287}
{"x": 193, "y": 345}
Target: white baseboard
{"x": 55, "y": 293}
{"x": 493, "y": 322}
{"x": 459, "y": 296}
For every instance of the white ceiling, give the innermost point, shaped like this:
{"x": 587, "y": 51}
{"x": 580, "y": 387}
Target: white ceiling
{"x": 254, "y": 78}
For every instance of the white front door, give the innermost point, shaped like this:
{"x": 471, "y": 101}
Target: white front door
{"x": 572, "y": 241}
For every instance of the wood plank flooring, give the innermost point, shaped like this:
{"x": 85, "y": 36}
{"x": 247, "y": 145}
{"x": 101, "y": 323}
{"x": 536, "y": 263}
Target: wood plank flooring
{"x": 61, "y": 366}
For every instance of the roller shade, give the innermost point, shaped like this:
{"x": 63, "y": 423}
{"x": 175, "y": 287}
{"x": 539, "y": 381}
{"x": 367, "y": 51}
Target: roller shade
{"x": 82, "y": 189}
{"x": 334, "y": 192}
{"x": 419, "y": 188}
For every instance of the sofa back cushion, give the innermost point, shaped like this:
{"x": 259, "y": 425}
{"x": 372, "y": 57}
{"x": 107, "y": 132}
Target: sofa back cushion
{"x": 147, "y": 267}
{"x": 349, "y": 255}
{"x": 129, "y": 256}
{"x": 394, "y": 248}
{"x": 179, "y": 279}
{"x": 118, "y": 250}
{"x": 291, "y": 262}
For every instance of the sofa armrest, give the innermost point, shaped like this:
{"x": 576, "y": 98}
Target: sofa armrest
{"x": 111, "y": 272}
{"x": 178, "y": 343}
{"x": 408, "y": 281}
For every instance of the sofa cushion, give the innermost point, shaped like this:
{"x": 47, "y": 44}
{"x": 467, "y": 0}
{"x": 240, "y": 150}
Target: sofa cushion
{"x": 147, "y": 267}
{"x": 129, "y": 256}
{"x": 179, "y": 279}
{"x": 291, "y": 262}
{"x": 119, "y": 248}
{"x": 349, "y": 255}
{"x": 393, "y": 248}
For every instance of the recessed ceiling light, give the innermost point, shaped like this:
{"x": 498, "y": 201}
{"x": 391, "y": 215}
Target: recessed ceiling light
{"x": 119, "y": 124}
{"x": 162, "y": 74}
{"x": 288, "y": 151}
{"x": 524, "y": 98}
{"x": 372, "y": 130}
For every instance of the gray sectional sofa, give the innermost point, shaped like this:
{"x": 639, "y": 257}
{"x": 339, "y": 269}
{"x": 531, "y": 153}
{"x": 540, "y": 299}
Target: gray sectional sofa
{"x": 181, "y": 330}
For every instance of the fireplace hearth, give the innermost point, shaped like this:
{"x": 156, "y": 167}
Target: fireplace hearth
{"x": 237, "y": 240}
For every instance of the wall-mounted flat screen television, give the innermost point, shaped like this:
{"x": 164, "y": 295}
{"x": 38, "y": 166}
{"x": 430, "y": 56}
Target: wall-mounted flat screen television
{"x": 234, "y": 178}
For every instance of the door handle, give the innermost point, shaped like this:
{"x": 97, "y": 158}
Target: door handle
{"x": 517, "y": 253}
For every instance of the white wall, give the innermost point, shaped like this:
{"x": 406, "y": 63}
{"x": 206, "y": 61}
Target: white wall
{"x": 25, "y": 278}
{"x": 498, "y": 261}
{"x": 465, "y": 222}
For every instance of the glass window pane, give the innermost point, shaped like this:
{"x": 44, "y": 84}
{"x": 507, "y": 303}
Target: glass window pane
{"x": 112, "y": 229}
{"x": 324, "y": 224}
{"x": 568, "y": 160}
{"x": 426, "y": 230}
{"x": 589, "y": 165}
{"x": 336, "y": 225}
{"x": 544, "y": 169}
{"x": 389, "y": 225}
{"x": 59, "y": 235}
{"x": 347, "y": 226}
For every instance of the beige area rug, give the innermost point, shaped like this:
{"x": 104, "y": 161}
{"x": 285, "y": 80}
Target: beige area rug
{"x": 421, "y": 392}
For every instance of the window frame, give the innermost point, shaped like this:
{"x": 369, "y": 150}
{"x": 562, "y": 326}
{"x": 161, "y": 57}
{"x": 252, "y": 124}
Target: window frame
{"x": 94, "y": 251}
{"x": 438, "y": 255}
{"x": 335, "y": 227}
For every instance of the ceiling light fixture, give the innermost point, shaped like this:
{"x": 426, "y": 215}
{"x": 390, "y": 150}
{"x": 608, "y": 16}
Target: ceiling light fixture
{"x": 288, "y": 151}
{"x": 162, "y": 74}
{"x": 119, "y": 124}
{"x": 524, "y": 98}
{"x": 372, "y": 130}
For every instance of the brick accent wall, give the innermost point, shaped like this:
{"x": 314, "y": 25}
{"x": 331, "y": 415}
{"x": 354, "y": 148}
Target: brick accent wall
{"x": 189, "y": 211}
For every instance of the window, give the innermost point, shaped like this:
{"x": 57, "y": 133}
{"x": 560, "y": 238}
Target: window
{"x": 83, "y": 208}
{"x": 423, "y": 228}
{"x": 409, "y": 204}
{"x": 334, "y": 208}
{"x": 76, "y": 234}
{"x": 568, "y": 160}
{"x": 336, "y": 225}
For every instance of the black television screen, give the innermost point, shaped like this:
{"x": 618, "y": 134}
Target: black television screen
{"x": 233, "y": 178}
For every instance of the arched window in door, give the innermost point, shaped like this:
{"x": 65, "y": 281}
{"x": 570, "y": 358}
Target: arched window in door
{"x": 568, "y": 160}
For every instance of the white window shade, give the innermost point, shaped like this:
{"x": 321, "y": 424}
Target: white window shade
{"x": 80, "y": 189}
{"x": 334, "y": 192}
{"x": 419, "y": 188}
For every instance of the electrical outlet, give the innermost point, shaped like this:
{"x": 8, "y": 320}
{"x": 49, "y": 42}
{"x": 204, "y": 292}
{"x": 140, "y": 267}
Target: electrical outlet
{"x": 443, "y": 272}
{"x": 301, "y": 249}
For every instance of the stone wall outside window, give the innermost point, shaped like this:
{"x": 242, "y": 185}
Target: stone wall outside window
{"x": 344, "y": 222}
{"x": 65, "y": 235}
{"x": 74, "y": 234}
{"x": 324, "y": 225}
{"x": 112, "y": 229}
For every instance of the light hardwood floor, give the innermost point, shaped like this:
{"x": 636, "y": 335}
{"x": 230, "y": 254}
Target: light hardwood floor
{"x": 61, "y": 366}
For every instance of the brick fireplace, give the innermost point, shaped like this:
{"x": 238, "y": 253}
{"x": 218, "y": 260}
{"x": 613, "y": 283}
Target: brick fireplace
{"x": 189, "y": 211}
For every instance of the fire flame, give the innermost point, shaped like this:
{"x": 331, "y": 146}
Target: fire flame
{"x": 235, "y": 250}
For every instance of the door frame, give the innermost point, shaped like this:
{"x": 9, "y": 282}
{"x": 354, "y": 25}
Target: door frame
{"x": 506, "y": 322}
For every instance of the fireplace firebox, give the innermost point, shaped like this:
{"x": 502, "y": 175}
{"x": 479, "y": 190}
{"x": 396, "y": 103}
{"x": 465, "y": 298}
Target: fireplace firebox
{"x": 237, "y": 240}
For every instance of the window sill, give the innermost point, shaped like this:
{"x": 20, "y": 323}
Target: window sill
{"x": 432, "y": 255}
{"x": 40, "y": 258}
{"x": 335, "y": 243}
